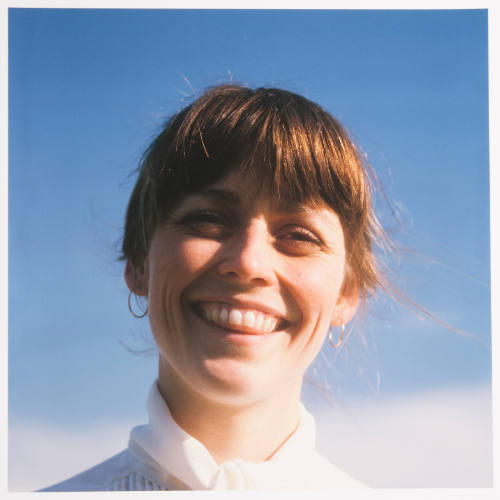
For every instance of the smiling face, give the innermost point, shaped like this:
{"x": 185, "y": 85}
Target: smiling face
{"x": 241, "y": 291}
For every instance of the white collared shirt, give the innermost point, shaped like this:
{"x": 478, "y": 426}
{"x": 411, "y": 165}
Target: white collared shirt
{"x": 162, "y": 456}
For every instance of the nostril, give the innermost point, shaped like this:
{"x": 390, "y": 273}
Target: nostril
{"x": 243, "y": 275}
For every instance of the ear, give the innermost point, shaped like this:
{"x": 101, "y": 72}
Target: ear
{"x": 136, "y": 280}
{"x": 347, "y": 303}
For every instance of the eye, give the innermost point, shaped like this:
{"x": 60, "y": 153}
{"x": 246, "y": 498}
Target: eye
{"x": 297, "y": 240}
{"x": 207, "y": 224}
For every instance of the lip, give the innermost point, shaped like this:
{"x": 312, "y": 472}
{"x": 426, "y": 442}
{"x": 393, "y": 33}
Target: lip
{"x": 232, "y": 303}
{"x": 244, "y": 304}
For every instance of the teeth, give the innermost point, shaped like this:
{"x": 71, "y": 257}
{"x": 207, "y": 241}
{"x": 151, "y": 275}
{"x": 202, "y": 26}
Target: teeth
{"x": 250, "y": 319}
{"x": 213, "y": 314}
{"x": 235, "y": 317}
{"x": 269, "y": 324}
{"x": 259, "y": 321}
{"x": 223, "y": 315}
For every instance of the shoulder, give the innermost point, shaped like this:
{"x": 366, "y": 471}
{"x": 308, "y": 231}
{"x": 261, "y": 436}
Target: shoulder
{"x": 98, "y": 477}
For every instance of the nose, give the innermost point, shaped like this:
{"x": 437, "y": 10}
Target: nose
{"x": 248, "y": 256}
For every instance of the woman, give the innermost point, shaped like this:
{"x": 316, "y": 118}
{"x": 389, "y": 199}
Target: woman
{"x": 249, "y": 235}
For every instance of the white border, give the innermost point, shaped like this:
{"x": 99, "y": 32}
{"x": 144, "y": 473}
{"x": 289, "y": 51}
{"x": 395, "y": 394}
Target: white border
{"x": 452, "y": 494}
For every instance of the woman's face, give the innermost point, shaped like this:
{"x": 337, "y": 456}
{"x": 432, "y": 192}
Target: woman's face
{"x": 242, "y": 291}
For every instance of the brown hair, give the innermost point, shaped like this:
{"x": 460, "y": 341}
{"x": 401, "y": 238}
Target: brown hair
{"x": 274, "y": 134}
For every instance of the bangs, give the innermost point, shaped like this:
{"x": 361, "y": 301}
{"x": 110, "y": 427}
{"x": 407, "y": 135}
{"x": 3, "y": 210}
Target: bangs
{"x": 280, "y": 140}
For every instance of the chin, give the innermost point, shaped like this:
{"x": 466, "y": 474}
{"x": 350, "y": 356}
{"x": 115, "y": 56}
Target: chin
{"x": 234, "y": 382}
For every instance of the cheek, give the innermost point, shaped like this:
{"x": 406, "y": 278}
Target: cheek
{"x": 173, "y": 267}
{"x": 317, "y": 287}
{"x": 179, "y": 264}
{"x": 192, "y": 258}
{"x": 316, "y": 297}
{"x": 314, "y": 292}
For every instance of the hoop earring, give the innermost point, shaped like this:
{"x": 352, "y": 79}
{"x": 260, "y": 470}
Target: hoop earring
{"x": 138, "y": 316}
{"x": 339, "y": 341}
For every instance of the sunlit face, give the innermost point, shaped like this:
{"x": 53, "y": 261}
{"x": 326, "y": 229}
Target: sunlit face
{"x": 241, "y": 292}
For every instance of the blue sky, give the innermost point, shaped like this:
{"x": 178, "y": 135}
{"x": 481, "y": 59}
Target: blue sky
{"x": 89, "y": 89}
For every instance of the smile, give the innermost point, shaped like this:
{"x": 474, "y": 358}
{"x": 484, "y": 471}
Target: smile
{"x": 248, "y": 321}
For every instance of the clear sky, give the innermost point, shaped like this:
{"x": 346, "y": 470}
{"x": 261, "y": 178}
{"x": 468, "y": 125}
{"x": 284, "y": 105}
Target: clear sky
{"x": 89, "y": 88}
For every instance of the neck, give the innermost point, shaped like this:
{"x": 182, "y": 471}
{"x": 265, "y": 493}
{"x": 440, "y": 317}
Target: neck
{"x": 251, "y": 432}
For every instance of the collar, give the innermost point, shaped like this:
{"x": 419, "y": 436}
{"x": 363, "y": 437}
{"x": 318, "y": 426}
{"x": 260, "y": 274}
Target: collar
{"x": 185, "y": 460}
